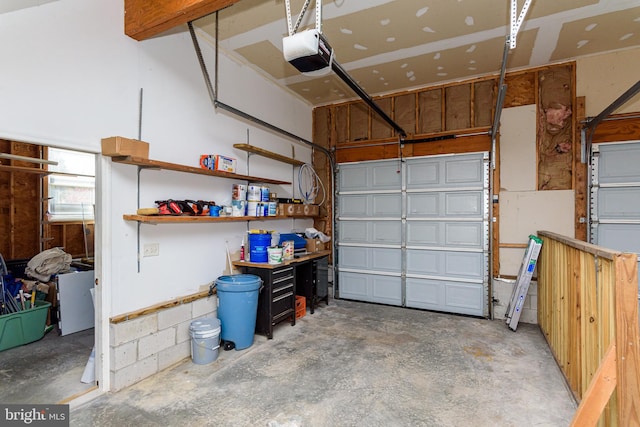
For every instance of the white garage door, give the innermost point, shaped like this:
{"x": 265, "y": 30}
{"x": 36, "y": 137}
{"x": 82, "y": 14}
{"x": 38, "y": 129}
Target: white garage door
{"x": 414, "y": 232}
{"x": 615, "y": 196}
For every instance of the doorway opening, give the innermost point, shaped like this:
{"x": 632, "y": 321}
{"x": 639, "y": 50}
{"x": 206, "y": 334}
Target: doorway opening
{"x": 47, "y": 229}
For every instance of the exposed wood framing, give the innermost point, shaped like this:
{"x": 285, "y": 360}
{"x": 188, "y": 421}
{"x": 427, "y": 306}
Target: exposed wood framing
{"x": 159, "y": 307}
{"x": 21, "y": 224}
{"x": 144, "y": 19}
{"x": 580, "y": 178}
{"x": 555, "y": 127}
{"x": 620, "y": 127}
{"x": 495, "y": 253}
{"x": 20, "y": 202}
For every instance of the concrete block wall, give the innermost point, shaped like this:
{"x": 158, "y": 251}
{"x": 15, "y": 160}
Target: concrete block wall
{"x": 145, "y": 345}
{"x": 502, "y": 289}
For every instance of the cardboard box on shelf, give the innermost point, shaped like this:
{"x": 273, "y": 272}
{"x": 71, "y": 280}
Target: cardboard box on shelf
{"x": 311, "y": 210}
{"x": 118, "y": 146}
{"x": 314, "y": 245}
{"x": 297, "y": 209}
{"x": 216, "y": 162}
{"x": 225, "y": 164}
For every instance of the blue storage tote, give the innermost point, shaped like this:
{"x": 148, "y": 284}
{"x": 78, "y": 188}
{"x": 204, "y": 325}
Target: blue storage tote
{"x": 298, "y": 242}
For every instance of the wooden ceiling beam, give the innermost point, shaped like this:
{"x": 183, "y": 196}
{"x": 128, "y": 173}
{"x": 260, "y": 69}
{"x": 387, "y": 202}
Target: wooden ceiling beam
{"x": 144, "y": 19}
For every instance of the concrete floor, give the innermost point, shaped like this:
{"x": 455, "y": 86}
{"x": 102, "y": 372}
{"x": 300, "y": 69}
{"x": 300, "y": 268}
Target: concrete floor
{"x": 357, "y": 364}
{"x": 46, "y": 371}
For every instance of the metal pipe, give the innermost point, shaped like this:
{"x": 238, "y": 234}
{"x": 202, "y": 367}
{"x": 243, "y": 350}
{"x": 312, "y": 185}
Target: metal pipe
{"x": 501, "y": 91}
{"x": 612, "y": 119}
{"x": 216, "y": 52}
{"x": 410, "y": 141}
{"x": 429, "y": 139}
{"x": 237, "y": 112}
{"x": 586, "y": 138}
{"x": 27, "y": 159}
{"x": 216, "y": 103}
{"x": 337, "y": 68}
{"x": 622, "y": 99}
{"x": 203, "y": 66}
{"x": 246, "y": 116}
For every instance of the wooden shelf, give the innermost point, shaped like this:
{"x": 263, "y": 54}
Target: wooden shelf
{"x": 181, "y": 219}
{"x": 24, "y": 169}
{"x": 156, "y": 164}
{"x": 269, "y": 154}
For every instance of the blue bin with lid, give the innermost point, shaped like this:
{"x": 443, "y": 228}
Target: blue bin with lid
{"x": 238, "y": 308}
{"x": 258, "y": 244}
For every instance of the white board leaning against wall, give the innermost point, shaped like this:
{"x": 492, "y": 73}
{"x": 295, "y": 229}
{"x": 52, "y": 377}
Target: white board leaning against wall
{"x": 523, "y": 209}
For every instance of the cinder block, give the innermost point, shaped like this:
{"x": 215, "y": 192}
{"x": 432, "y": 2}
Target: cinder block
{"x": 172, "y": 355}
{"x": 134, "y": 373}
{"x": 533, "y": 302}
{"x": 124, "y": 355}
{"x": 499, "y": 310}
{"x": 182, "y": 331}
{"x": 502, "y": 289}
{"x": 205, "y": 307}
{"x": 152, "y": 344}
{"x": 133, "y": 329}
{"x": 533, "y": 288}
{"x": 174, "y": 315}
{"x": 529, "y": 316}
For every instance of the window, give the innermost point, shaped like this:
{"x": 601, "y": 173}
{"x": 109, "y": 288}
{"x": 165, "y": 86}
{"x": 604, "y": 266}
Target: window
{"x": 71, "y": 186}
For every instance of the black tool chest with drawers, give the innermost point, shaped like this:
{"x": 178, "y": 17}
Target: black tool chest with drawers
{"x": 277, "y": 299}
{"x": 306, "y": 275}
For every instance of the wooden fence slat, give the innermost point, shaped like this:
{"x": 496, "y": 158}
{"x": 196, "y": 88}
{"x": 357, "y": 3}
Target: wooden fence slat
{"x": 627, "y": 341}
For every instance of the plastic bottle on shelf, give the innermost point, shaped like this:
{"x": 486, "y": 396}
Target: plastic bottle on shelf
{"x": 242, "y": 251}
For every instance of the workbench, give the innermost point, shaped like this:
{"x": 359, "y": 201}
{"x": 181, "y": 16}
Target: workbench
{"x": 305, "y": 275}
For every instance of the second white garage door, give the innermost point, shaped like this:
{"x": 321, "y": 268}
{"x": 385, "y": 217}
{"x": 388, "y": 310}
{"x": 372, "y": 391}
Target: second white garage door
{"x": 615, "y": 197}
{"x": 415, "y": 232}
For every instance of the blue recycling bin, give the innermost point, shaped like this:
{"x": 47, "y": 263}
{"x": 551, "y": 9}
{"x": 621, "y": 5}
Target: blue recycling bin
{"x": 238, "y": 308}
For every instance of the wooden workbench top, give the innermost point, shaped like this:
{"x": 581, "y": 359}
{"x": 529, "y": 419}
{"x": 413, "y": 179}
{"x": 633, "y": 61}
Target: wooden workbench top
{"x": 302, "y": 258}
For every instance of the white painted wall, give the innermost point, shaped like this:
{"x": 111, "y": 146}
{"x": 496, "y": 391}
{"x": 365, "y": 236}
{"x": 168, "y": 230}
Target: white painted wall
{"x": 601, "y": 79}
{"x": 71, "y": 77}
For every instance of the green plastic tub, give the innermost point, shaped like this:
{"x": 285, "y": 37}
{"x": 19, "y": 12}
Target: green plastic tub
{"x": 23, "y": 327}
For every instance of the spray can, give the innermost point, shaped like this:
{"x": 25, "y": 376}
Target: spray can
{"x": 242, "y": 250}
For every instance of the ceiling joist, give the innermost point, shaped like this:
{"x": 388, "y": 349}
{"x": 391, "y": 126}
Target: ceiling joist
{"x": 144, "y": 19}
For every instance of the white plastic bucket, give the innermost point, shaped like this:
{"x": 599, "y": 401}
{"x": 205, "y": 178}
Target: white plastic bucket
{"x": 275, "y": 255}
{"x": 205, "y": 340}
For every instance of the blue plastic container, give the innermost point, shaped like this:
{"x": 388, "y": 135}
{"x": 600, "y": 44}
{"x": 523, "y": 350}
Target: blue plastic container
{"x": 258, "y": 244}
{"x": 238, "y": 308}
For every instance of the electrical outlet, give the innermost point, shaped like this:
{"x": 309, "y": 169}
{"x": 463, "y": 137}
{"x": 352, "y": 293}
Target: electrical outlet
{"x": 151, "y": 249}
